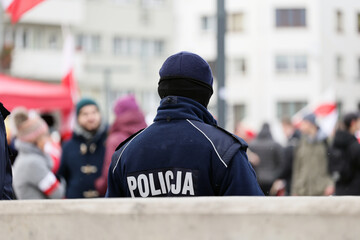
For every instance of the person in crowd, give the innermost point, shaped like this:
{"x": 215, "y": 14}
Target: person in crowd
{"x": 53, "y": 148}
{"x": 283, "y": 183}
{"x": 310, "y": 167}
{"x": 129, "y": 119}
{"x": 271, "y": 156}
{"x": 348, "y": 182}
{"x": 184, "y": 152}
{"x": 83, "y": 155}
{"x": 6, "y": 189}
{"x": 247, "y": 135}
{"x": 33, "y": 178}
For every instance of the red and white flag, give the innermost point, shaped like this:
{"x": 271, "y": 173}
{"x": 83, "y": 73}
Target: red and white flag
{"x": 326, "y": 116}
{"x": 68, "y": 81}
{"x": 16, "y": 8}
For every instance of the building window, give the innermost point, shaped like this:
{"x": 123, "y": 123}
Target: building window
{"x": 339, "y": 66}
{"x": 145, "y": 48}
{"x": 53, "y": 41}
{"x": 295, "y": 17}
{"x": 240, "y": 66}
{"x": 291, "y": 64}
{"x": 25, "y": 39}
{"x": 339, "y": 21}
{"x": 288, "y": 109}
{"x": 123, "y": 46}
{"x": 158, "y": 47}
{"x": 79, "y": 43}
{"x": 207, "y": 23}
{"x": 235, "y": 22}
{"x": 239, "y": 112}
{"x": 300, "y": 63}
{"x": 94, "y": 43}
{"x": 88, "y": 43}
{"x": 38, "y": 39}
{"x": 155, "y": 3}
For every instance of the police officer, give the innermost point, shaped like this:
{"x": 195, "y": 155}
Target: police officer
{"x": 184, "y": 152}
{"x": 6, "y": 190}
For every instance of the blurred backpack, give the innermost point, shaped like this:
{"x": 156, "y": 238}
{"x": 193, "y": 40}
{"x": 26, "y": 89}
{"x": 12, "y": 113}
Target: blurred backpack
{"x": 340, "y": 165}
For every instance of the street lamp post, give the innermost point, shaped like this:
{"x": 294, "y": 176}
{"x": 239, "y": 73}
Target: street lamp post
{"x": 107, "y": 72}
{"x": 220, "y": 63}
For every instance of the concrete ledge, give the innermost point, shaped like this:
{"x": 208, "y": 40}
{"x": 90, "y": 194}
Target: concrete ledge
{"x": 183, "y": 218}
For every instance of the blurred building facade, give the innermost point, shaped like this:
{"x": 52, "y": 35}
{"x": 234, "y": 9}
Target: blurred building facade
{"x": 280, "y": 54}
{"x": 120, "y": 45}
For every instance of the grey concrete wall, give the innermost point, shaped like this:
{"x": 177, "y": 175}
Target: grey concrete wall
{"x": 183, "y": 218}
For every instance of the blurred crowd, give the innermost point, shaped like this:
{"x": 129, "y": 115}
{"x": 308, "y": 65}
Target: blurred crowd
{"x": 44, "y": 166}
{"x": 309, "y": 164}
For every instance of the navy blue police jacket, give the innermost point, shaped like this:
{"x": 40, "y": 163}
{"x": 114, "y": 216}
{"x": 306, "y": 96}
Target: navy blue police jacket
{"x": 183, "y": 153}
{"x": 6, "y": 190}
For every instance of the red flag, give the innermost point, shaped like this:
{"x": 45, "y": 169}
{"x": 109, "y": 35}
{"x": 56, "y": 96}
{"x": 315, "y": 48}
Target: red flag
{"x": 16, "y": 8}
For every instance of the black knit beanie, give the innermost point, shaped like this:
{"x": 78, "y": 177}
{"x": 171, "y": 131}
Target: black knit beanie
{"x": 188, "y": 75}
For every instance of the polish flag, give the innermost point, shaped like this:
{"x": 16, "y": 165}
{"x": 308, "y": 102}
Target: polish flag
{"x": 68, "y": 81}
{"x": 326, "y": 116}
{"x": 16, "y": 8}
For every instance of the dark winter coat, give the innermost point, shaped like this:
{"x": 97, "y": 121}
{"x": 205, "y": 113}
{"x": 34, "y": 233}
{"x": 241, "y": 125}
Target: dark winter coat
{"x": 123, "y": 127}
{"x": 350, "y": 147}
{"x": 286, "y": 170}
{"x": 271, "y": 156}
{"x": 183, "y": 153}
{"x": 82, "y": 161}
{"x": 6, "y": 190}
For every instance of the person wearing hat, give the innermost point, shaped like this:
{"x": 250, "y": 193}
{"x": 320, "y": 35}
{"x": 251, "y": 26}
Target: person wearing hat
{"x": 6, "y": 190}
{"x": 184, "y": 152}
{"x": 310, "y": 175}
{"x": 348, "y": 164}
{"x": 128, "y": 120}
{"x": 83, "y": 155}
{"x": 33, "y": 178}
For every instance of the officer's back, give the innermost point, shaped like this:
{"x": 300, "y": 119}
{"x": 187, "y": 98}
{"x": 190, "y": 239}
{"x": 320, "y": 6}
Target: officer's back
{"x": 183, "y": 153}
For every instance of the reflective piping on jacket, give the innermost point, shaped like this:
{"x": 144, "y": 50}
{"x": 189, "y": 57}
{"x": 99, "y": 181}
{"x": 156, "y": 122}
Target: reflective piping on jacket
{"x": 117, "y": 162}
{"x": 209, "y": 141}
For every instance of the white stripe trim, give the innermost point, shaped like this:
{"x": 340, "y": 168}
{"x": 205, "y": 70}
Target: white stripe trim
{"x": 47, "y": 182}
{"x": 209, "y": 141}
{"x": 117, "y": 162}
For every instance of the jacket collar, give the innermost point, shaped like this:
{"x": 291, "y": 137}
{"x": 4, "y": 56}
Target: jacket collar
{"x": 80, "y": 132}
{"x": 176, "y": 108}
{"x": 27, "y": 147}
